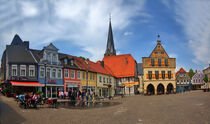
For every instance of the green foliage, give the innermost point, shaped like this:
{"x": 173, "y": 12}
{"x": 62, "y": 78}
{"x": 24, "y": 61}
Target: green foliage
{"x": 191, "y": 73}
{"x": 205, "y": 79}
{"x": 84, "y": 58}
{"x": 5, "y": 89}
{"x": 39, "y": 92}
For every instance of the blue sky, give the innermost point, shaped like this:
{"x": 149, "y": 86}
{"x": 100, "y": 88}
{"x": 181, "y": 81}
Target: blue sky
{"x": 80, "y": 27}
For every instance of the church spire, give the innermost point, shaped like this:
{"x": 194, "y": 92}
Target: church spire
{"x": 110, "y": 50}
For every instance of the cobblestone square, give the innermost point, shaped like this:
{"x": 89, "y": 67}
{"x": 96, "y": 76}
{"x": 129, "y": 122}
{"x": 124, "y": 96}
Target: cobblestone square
{"x": 190, "y": 107}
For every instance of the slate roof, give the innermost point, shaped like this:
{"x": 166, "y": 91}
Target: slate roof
{"x": 140, "y": 69}
{"x": 17, "y": 40}
{"x": 121, "y": 65}
{"x": 38, "y": 54}
{"x": 110, "y": 50}
{"x": 19, "y": 54}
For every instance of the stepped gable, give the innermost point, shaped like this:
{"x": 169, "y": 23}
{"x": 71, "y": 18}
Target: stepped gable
{"x": 159, "y": 51}
{"x": 121, "y": 65}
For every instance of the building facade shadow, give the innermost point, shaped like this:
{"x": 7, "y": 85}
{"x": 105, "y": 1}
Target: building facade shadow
{"x": 8, "y": 115}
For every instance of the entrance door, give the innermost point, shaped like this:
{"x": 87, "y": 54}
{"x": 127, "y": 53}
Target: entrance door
{"x": 170, "y": 88}
{"x": 160, "y": 89}
{"x": 150, "y": 89}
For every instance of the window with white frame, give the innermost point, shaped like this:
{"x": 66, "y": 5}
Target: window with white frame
{"x": 48, "y": 57}
{"x": 72, "y": 74}
{"x": 59, "y": 73}
{"x": 104, "y": 79}
{"x": 22, "y": 70}
{"x": 78, "y": 75}
{"x": 14, "y": 70}
{"x": 53, "y": 73}
{"x": 66, "y": 73}
{"x": 72, "y": 62}
{"x": 54, "y": 58}
{"x": 31, "y": 70}
{"x": 48, "y": 73}
{"x": 42, "y": 72}
{"x": 107, "y": 80}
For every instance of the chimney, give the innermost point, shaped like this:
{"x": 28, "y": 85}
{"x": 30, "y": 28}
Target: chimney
{"x": 26, "y": 43}
{"x": 102, "y": 63}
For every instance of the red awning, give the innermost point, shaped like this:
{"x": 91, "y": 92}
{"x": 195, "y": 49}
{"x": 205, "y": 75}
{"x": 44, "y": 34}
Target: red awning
{"x": 27, "y": 84}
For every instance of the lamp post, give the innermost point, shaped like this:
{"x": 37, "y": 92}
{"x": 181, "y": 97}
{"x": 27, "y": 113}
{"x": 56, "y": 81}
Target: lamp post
{"x": 45, "y": 81}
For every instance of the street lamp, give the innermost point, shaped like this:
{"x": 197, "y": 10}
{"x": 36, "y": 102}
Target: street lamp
{"x": 45, "y": 81}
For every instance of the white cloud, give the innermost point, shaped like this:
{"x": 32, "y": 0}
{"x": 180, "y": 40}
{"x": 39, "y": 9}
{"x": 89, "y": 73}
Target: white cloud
{"x": 194, "y": 16}
{"x": 128, "y": 33}
{"x": 81, "y": 23}
{"x": 173, "y": 55}
{"x": 29, "y": 9}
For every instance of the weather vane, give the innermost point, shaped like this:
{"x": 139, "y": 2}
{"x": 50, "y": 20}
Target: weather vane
{"x": 158, "y": 36}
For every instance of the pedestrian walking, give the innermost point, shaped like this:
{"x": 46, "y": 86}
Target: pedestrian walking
{"x": 62, "y": 94}
{"x": 66, "y": 94}
{"x": 87, "y": 96}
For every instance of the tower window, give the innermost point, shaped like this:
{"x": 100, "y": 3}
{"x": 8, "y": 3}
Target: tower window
{"x": 152, "y": 62}
{"x": 166, "y": 62}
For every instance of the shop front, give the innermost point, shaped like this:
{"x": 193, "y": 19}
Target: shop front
{"x": 130, "y": 88}
{"x": 89, "y": 88}
{"x": 51, "y": 87}
{"x": 16, "y": 87}
{"x": 52, "y": 90}
{"x": 72, "y": 85}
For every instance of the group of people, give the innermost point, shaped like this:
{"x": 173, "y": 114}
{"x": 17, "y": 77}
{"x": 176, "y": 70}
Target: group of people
{"x": 27, "y": 97}
{"x": 77, "y": 95}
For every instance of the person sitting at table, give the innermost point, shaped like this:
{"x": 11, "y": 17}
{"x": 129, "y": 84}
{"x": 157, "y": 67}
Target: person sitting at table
{"x": 35, "y": 97}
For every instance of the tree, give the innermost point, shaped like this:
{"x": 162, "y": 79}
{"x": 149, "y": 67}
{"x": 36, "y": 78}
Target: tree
{"x": 205, "y": 79}
{"x": 191, "y": 73}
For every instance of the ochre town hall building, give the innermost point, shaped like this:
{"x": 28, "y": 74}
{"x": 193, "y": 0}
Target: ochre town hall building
{"x": 159, "y": 72}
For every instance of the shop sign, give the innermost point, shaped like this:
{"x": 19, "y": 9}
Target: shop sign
{"x": 130, "y": 83}
{"x": 19, "y": 78}
{"x": 51, "y": 81}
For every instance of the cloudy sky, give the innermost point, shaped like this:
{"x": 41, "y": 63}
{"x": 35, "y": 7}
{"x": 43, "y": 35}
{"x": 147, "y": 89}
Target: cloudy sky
{"x": 80, "y": 27}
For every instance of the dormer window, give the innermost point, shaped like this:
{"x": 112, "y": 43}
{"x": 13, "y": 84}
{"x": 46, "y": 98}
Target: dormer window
{"x": 65, "y": 61}
{"x": 72, "y": 62}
